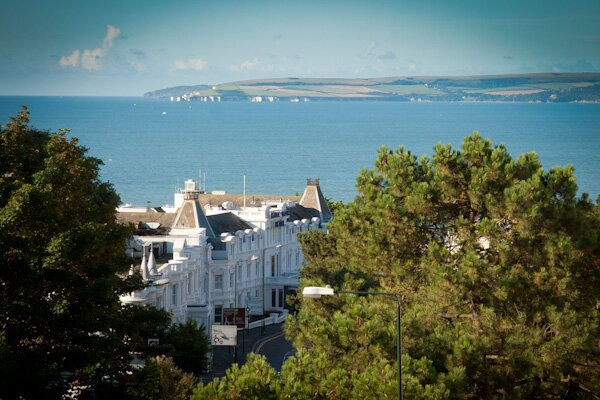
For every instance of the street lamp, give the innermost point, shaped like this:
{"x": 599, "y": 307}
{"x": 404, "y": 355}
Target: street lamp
{"x": 315, "y": 292}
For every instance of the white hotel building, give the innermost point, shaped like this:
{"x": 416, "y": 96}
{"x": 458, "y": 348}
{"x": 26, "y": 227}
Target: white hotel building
{"x": 216, "y": 251}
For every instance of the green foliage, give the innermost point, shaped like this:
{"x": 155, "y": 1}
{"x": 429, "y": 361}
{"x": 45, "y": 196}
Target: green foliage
{"x": 255, "y": 380}
{"x": 497, "y": 264}
{"x": 189, "y": 345}
{"x": 160, "y": 379}
{"x": 334, "y": 206}
{"x": 310, "y": 375}
{"x": 63, "y": 266}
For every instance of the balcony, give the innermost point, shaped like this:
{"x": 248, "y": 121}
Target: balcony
{"x": 285, "y": 279}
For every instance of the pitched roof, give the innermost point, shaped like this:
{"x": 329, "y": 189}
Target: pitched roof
{"x": 164, "y": 219}
{"x": 191, "y": 216}
{"x": 227, "y": 222}
{"x": 301, "y": 212}
{"x": 313, "y": 198}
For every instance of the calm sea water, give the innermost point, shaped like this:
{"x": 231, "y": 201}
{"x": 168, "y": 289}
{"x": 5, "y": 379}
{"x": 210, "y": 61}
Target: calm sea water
{"x": 150, "y": 147}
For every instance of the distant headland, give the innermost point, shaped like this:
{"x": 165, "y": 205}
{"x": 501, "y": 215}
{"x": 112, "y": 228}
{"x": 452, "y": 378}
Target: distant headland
{"x": 541, "y": 87}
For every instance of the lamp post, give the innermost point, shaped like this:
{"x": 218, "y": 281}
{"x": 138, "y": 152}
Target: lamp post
{"x": 315, "y": 292}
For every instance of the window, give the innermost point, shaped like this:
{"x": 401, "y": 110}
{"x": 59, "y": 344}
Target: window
{"x": 231, "y": 280}
{"x": 281, "y": 298}
{"x": 218, "y": 314}
{"x": 257, "y": 292}
{"x": 189, "y": 284}
{"x": 219, "y": 282}
{"x": 174, "y": 294}
{"x": 257, "y": 274}
{"x": 248, "y": 269}
{"x": 273, "y": 297}
{"x": 273, "y": 265}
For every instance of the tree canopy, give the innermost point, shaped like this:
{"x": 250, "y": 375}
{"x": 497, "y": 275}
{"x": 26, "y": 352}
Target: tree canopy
{"x": 496, "y": 262}
{"x": 63, "y": 267}
{"x": 188, "y": 345}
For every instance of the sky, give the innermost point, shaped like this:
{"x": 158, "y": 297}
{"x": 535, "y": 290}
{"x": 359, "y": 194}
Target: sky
{"x": 129, "y": 47}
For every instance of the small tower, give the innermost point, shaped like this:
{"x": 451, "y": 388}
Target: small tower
{"x": 190, "y": 215}
{"x": 144, "y": 265}
{"x": 313, "y": 198}
{"x": 152, "y": 269}
{"x": 191, "y": 190}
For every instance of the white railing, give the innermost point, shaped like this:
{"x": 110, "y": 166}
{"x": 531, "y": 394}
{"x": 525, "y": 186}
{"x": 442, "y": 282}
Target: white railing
{"x": 274, "y": 318}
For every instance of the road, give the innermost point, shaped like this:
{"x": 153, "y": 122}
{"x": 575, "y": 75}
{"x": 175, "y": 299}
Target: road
{"x": 274, "y": 348}
{"x": 271, "y": 343}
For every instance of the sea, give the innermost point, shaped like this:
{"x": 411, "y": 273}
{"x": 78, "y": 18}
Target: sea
{"x": 149, "y": 147}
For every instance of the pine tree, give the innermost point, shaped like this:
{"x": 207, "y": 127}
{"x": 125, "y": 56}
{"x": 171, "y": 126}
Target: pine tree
{"x": 496, "y": 261}
{"x": 255, "y": 380}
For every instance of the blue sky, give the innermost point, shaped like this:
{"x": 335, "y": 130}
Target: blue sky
{"x": 129, "y": 47}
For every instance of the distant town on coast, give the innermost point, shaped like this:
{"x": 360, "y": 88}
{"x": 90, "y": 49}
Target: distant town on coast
{"x": 541, "y": 87}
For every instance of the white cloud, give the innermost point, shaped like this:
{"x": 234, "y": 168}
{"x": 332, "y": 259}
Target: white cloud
{"x": 90, "y": 59}
{"x": 247, "y": 65}
{"x": 111, "y": 34}
{"x": 251, "y": 65}
{"x": 195, "y": 64}
{"x": 412, "y": 67}
{"x": 71, "y": 60}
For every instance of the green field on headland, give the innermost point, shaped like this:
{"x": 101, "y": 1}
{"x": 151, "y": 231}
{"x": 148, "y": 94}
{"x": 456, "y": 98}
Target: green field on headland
{"x": 557, "y": 87}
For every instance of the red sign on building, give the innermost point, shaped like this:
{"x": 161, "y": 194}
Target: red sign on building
{"x": 234, "y": 316}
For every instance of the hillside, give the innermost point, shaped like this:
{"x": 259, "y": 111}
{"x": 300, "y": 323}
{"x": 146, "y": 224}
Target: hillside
{"x": 558, "y": 87}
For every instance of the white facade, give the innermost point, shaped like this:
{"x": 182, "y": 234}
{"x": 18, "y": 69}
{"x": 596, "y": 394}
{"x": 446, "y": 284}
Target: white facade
{"x": 205, "y": 264}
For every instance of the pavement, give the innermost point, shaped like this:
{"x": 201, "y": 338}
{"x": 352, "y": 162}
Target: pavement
{"x": 268, "y": 341}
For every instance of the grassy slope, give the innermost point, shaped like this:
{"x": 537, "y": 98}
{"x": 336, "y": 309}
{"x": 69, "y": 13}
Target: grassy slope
{"x": 429, "y": 87}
